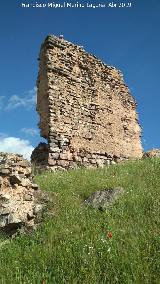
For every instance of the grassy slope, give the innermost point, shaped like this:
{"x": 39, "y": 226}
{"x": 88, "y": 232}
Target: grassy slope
{"x": 73, "y": 247}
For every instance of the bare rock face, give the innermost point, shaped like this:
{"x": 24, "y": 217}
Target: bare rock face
{"x": 20, "y": 205}
{"x": 87, "y": 114}
{"x": 103, "y": 198}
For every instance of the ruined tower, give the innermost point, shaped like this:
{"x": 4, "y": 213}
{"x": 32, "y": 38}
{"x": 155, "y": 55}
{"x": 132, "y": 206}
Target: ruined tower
{"x": 86, "y": 111}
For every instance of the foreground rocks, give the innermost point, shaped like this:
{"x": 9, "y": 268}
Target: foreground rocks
{"x": 103, "y": 198}
{"x": 21, "y": 201}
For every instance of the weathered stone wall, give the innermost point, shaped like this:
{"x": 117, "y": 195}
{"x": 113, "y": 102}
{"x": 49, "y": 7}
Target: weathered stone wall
{"x": 19, "y": 196}
{"x": 86, "y": 111}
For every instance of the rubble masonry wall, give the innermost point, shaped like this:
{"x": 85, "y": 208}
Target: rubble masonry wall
{"x": 87, "y": 113}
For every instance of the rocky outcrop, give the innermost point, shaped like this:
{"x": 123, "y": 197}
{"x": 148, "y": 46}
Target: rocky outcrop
{"x": 20, "y": 199}
{"x": 154, "y": 153}
{"x": 102, "y": 199}
{"x": 87, "y": 113}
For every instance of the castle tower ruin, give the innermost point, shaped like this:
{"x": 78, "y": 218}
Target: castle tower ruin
{"x": 87, "y": 114}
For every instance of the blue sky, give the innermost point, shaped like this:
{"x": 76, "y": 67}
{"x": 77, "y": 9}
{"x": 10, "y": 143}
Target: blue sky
{"x": 127, "y": 38}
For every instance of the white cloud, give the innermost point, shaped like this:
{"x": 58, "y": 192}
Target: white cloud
{"x": 16, "y": 145}
{"x": 27, "y": 101}
{"x": 29, "y": 131}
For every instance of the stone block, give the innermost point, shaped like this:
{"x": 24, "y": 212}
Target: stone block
{"x": 63, "y": 163}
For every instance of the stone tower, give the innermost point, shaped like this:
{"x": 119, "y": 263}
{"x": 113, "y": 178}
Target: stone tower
{"x": 86, "y": 111}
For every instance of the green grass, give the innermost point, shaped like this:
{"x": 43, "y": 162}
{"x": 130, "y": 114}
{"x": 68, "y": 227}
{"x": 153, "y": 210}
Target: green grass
{"x": 72, "y": 246}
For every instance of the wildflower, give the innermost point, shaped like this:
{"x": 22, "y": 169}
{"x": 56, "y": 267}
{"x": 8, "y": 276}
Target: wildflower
{"x": 103, "y": 240}
{"x": 90, "y": 247}
{"x": 109, "y": 235}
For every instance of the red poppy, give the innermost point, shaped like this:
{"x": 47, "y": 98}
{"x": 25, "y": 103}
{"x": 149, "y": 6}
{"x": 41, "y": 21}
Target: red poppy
{"x": 109, "y": 235}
